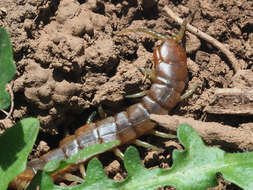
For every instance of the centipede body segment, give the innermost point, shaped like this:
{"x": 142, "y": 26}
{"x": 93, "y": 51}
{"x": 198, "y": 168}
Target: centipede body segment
{"x": 170, "y": 77}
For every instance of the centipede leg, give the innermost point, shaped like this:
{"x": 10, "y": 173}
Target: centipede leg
{"x": 137, "y": 95}
{"x": 101, "y": 112}
{"x": 146, "y": 145}
{"x": 70, "y": 177}
{"x": 147, "y": 72}
{"x": 189, "y": 92}
{"x": 163, "y": 135}
{"x": 91, "y": 117}
{"x": 118, "y": 153}
{"x": 82, "y": 170}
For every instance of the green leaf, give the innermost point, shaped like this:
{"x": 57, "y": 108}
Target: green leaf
{"x": 81, "y": 156}
{"x": 138, "y": 177}
{"x": 7, "y": 67}
{"x": 197, "y": 165}
{"x": 193, "y": 168}
{"x": 240, "y": 171}
{"x": 43, "y": 180}
{"x": 15, "y": 145}
{"x": 4, "y": 99}
{"x": 96, "y": 178}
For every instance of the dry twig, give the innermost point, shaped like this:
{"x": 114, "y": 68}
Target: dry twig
{"x": 208, "y": 38}
{"x": 236, "y": 101}
{"x": 211, "y": 132}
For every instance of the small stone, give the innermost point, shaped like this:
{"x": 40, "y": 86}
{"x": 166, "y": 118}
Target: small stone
{"x": 192, "y": 43}
{"x": 236, "y": 30}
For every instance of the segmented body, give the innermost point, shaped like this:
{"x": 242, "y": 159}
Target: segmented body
{"x": 164, "y": 94}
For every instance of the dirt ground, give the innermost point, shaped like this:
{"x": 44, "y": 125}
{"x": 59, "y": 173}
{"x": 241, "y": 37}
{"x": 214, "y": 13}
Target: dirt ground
{"x": 70, "y": 60}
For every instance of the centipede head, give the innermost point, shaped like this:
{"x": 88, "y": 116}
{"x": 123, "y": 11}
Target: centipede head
{"x": 170, "y": 51}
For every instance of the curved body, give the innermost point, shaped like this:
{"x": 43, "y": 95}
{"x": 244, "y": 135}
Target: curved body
{"x": 164, "y": 94}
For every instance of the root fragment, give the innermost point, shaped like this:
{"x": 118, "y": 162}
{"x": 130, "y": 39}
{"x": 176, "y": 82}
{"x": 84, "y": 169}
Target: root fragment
{"x": 211, "y": 132}
{"x": 231, "y": 101}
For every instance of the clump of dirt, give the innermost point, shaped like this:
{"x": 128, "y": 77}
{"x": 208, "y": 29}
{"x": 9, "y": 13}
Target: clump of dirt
{"x": 70, "y": 59}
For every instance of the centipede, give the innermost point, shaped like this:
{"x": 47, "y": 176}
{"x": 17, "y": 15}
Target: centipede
{"x": 169, "y": 78}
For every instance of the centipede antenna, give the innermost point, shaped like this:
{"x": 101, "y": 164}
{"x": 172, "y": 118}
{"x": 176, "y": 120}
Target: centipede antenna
{"x": 147, "y": 72}
{"x": 189, "y": 92}
{"x": 143, "y": 30}
{"x": 118, "y": 153}
{"x": 163, "y": 135}
{"x": 181, "y": 32}
{"x": 70, "y": 177}
{"x": 91, "y": 117}
{"x": 137, "y": 95}
{"x": 146, "y": 145}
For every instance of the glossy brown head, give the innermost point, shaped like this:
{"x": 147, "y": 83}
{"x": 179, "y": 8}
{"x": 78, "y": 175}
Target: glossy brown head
{"x": 170, "y": 51}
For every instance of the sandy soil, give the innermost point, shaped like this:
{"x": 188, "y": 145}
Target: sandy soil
{"x": 69, "y": 61}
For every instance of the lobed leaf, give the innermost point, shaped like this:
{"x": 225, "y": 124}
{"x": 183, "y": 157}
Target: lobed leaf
{"x": 7, "y": 67}
{"x": 239, "y": 170}
{"x": 42, "y": 179}
{"x": 81, "y": 156}
{"x": 15, "y": 146}
{"x": 193, "y": 168}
